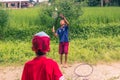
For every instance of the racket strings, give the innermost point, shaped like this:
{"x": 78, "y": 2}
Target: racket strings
{"x": 83, "y": 70}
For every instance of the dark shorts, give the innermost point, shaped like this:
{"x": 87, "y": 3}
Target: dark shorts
{"x": 63, "y": 47}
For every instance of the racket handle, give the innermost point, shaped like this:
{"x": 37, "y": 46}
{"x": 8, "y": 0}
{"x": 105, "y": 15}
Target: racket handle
{"x": 53, "y": 29}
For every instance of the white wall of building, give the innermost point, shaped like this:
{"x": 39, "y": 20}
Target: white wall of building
{"x": 40, "y": 0}
{"x": 12, "y": 0}
{"x": 22, "y": 0}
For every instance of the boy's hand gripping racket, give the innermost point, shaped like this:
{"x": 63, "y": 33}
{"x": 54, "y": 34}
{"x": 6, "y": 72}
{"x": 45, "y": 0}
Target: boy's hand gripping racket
{"x": 83, "y": 70}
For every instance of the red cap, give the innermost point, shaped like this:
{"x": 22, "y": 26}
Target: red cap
{"x": 41, "y": 41}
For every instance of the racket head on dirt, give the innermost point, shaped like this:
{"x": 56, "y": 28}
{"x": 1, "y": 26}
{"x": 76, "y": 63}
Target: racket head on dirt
{"x": 83, "y": 70}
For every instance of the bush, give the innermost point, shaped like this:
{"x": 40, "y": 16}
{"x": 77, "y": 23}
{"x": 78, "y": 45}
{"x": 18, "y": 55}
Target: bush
{"x": 71, "y": 9}
{"x": 45, "y": 18}
{"x": 3, "y": 21}
{"x": 0, "y": 5}
{"x": 3, "y": 18}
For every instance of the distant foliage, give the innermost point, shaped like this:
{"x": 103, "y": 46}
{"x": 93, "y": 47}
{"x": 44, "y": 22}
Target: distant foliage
{"x": 91, "y": 24}
{"x": 98, "y": 2}
{"x": 3, "y": 21}
{"x": 3, "y": 18}
{"x": 0, "y": 5}
{"x": 45, "y": 16}
{"x": 70, "y": 9}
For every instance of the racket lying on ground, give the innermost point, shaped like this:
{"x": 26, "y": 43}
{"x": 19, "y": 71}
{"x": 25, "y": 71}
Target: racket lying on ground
{"x": 83, "y": 70}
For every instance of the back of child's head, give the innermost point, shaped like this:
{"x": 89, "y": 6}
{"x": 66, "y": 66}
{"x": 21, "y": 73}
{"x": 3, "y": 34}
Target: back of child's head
{"x": 41, "y": 43}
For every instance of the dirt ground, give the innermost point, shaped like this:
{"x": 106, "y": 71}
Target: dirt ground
{"x": 100, "y": 72}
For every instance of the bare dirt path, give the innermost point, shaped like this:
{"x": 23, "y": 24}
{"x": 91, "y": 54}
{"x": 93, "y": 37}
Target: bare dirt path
{"x": 100, "y": 72}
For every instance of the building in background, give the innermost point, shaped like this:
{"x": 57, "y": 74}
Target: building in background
{"x": 39, "y": 1}
{"x": 20, "y": 3}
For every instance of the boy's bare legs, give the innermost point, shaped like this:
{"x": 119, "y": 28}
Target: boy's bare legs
{"x": 61, "y": 58}
{"x": 65, "y": 65}
{"x": 65, "y": 58}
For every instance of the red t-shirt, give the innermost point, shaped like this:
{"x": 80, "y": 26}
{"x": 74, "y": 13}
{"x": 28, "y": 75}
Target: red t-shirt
{"x": 41, "y": 68}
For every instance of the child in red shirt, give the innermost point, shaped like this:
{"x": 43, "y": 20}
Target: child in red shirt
{"x": 41, "y": 67}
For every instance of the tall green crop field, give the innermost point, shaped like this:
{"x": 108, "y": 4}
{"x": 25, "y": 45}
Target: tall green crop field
{"x": 101, "y": 15}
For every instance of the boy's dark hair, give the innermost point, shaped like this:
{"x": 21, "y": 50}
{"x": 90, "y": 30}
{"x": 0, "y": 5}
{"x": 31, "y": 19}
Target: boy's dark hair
{"x": 39, "y": 53}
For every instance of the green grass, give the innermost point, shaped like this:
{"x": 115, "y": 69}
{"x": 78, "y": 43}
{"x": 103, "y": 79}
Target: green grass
{"x": 92, "y": 51}
{"x": 22, "y": 18}
{"x": 95, "y": 39}
{"x": 100, "y": 15}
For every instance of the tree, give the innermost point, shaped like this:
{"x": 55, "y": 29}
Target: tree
{"x": 69, "y": 8}
{"x": 115, "y": 2}
{"x": 100, "y": 2}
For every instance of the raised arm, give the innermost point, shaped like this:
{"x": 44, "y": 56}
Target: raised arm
{"x": 66, "y": 21}
{"x": 64, "y": 18}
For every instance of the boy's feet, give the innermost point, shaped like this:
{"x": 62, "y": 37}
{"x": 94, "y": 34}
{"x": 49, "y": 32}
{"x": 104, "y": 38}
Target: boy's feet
{"x": 65, "y": 65}
{"x": 61, "y": 65}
